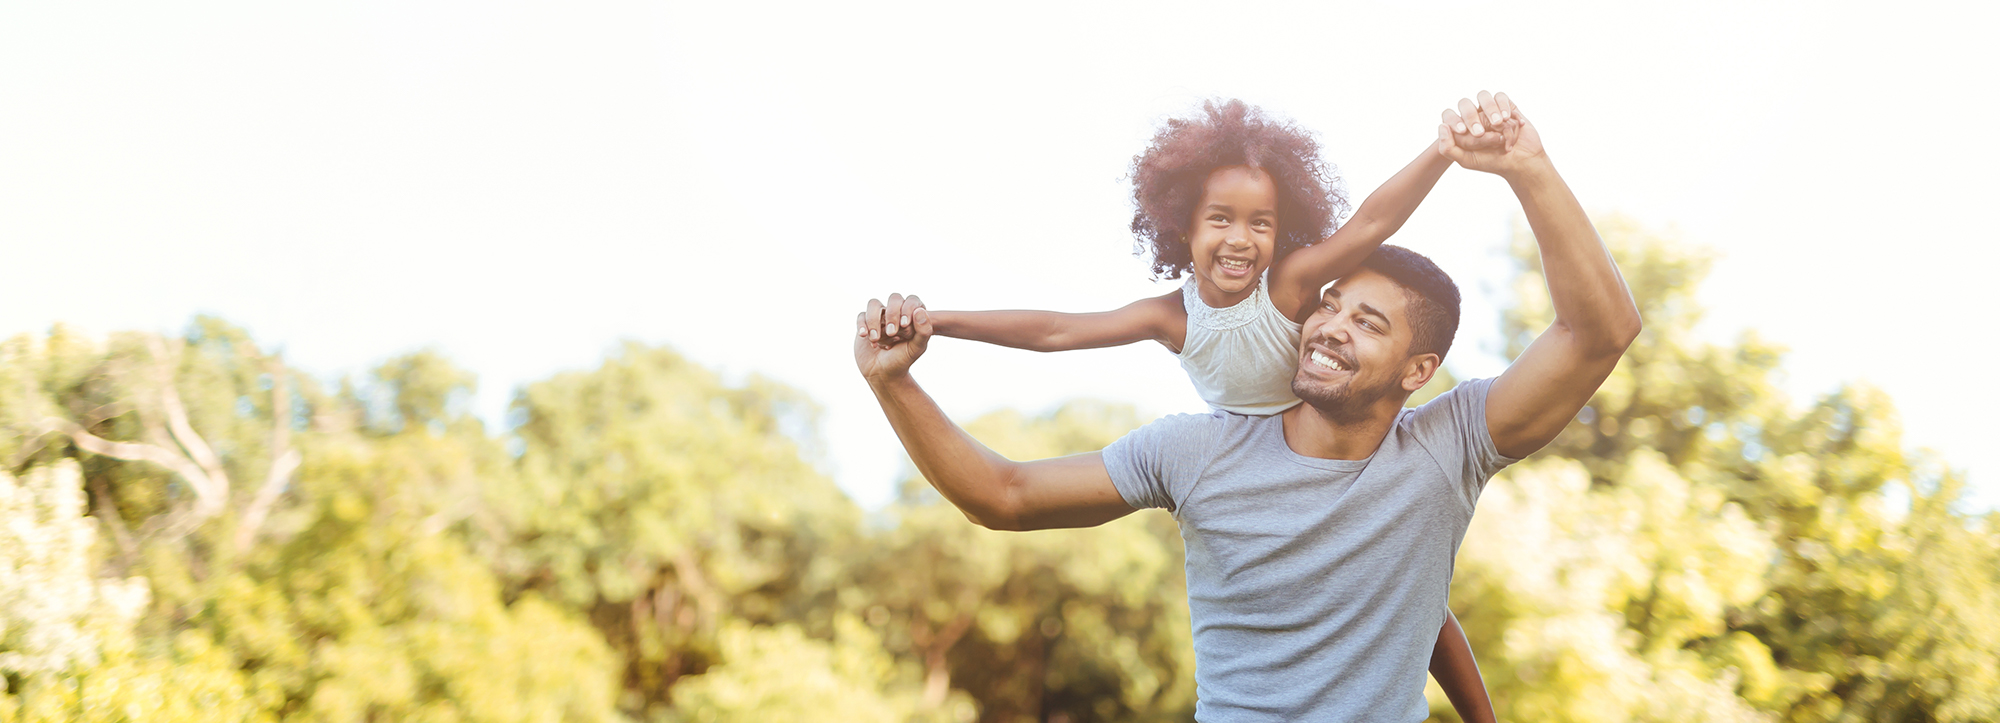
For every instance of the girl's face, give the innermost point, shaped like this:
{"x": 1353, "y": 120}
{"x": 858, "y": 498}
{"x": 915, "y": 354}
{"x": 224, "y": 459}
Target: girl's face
{"x": 1234, "y": 234}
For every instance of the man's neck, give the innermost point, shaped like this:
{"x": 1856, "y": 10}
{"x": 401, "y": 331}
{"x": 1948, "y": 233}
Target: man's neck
{"x": 1313, "y": 433}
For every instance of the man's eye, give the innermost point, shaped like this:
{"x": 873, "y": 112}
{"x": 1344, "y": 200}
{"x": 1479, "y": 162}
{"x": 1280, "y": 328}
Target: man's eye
{"x": 1369, "y": 325}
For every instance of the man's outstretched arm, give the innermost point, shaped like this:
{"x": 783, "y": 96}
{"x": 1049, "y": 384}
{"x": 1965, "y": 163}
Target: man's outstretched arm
{"x": 991, "y": 490}
{"x": 1595, "y": 317}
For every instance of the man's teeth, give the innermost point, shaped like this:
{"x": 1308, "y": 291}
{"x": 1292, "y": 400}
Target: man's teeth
{"x": 1328, "y": 362}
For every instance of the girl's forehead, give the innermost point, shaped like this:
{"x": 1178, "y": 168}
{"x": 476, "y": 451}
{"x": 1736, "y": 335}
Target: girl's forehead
{"x": 1241, "y": 183}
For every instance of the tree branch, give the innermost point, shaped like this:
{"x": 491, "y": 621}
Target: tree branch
{"x": 284, "y": 459}
{"x": 177, "y": 422}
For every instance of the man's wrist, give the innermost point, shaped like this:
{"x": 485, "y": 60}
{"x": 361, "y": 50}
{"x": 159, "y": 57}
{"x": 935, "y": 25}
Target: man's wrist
{"x": 1531, "y": 172}
{"x": 888, "y": 380}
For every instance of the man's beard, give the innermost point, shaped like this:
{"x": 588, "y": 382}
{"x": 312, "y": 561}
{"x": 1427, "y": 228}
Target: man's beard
{"x": 1345, "y": 403}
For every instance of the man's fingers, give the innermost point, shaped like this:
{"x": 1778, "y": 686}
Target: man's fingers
{"x": 1470, "y": 113}
{"x": 911, "y": 305}
{"x": 1489, "y": 110}
{"x": 906, "y": 316}
{"x": 873, "y": 317}
{"x": 892, "y": 313}
{"x": 1454, "y": 122}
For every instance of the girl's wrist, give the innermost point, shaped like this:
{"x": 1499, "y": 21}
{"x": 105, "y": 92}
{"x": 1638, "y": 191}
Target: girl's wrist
{"x": 942, "y": 322}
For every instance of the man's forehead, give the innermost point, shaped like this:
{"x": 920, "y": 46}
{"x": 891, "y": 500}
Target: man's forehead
{"x": 1375, "y": 287}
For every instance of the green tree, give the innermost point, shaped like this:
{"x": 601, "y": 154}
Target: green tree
{"x": 1082, "y": 625}
{"x": 1694, "y": 546}
{"x": 664, "y": 504}
{"x": 335, "y": 587}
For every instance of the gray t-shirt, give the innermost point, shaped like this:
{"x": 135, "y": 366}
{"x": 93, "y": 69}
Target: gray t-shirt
{"x": 1317, "y": 586}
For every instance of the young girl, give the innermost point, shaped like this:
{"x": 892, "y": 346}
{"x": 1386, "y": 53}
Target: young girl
{"x": 1235, "y": 200}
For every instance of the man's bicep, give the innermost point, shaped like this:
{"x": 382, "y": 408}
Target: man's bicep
{"x": 1073, "y": 491}
{"x": 1541, "y": 391}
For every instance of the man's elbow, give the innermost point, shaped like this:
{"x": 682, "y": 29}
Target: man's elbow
{"x": 1617, "y": 336}
{"x": 997, "y": 523}
{"x": 1626, "y": 330}
{"x": 997, "y": 512}
{"x": 1608, "y": 339}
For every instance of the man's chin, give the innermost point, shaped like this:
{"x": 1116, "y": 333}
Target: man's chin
{"x": 1340, "y": 401}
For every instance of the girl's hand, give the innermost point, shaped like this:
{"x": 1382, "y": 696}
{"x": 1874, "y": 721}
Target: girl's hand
{"x": 889, "y": 337}
{"x": 1491, "y": 135}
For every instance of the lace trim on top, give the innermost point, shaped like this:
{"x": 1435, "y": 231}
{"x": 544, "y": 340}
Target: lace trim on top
{"x": 1208, "y": 317}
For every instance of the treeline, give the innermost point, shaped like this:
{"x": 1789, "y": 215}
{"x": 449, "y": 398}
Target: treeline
{"x": 191, "y": 530}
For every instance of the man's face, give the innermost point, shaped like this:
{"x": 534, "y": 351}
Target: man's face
{"x": 1354, "y": 350}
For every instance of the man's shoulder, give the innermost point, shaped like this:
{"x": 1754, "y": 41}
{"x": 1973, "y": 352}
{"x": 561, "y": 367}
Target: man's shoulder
{"x": 1195, "y": 423}
{"x": 1201, "y": 433}
{"x": 1461, "y": 397}
{"x": 1439, "y": 427}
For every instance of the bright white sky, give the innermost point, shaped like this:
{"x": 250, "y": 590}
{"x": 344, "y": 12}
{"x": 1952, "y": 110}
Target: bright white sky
{"x": 522, "y": 185}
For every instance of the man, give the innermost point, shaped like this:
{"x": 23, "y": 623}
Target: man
{"x": 1319, "y": 541}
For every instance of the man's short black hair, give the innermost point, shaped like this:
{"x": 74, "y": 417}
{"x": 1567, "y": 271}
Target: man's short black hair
{"x": 1433, "y": 298}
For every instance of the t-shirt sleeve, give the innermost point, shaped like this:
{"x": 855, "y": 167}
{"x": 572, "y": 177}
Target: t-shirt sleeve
{"x": 1156, "y": 465}
{"x": 1453, "y": 429}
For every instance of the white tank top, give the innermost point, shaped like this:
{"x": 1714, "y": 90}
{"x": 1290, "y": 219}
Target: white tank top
{"x": 1242, "y": 358}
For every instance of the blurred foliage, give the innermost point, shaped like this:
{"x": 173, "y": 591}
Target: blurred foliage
{"x": 1696, "y": 547}
{"x": 191, "y": 530}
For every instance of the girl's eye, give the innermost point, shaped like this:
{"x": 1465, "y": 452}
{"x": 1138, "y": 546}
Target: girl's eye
{"x": 1219, "y": 218}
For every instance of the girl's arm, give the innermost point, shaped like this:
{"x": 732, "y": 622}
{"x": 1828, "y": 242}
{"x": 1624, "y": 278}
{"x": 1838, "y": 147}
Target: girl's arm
{"x": 1297, "y": 278}
{"x": 1145, "y": 319}
{"x": 1458, "y": 674}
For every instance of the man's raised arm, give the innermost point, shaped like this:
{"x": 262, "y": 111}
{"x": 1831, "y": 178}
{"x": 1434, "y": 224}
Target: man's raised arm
{"x": 1595, "y": 318}
{"x": 991, "y": 490}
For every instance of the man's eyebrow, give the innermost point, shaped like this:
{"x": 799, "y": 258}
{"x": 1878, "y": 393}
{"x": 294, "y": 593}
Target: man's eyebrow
{"x": 1377, "y": 313}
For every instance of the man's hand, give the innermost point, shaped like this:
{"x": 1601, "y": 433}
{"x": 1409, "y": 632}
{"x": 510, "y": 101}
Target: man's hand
{"x": 889, "y": 337}
{"x": 1491, "y": 135}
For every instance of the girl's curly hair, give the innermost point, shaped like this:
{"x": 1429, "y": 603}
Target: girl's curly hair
{"x": 1168, "y": 180}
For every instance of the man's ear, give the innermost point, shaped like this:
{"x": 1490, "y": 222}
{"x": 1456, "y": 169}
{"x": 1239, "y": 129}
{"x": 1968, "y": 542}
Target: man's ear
{"x": 1419, "y": 370}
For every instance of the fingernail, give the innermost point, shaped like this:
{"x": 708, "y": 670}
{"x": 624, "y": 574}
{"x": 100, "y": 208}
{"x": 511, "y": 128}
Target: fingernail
{"x": 1478, "y": 129}
{"x": 872, "y": 334}
{"x": 1496, "y": 118}
{"x": 1460, "y": 127}
{"x": 891, "y": 331}
{"x": 906, "y": 320}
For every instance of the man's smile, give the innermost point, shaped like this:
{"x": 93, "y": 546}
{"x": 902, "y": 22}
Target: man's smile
{"x": 1327, "y": 359}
